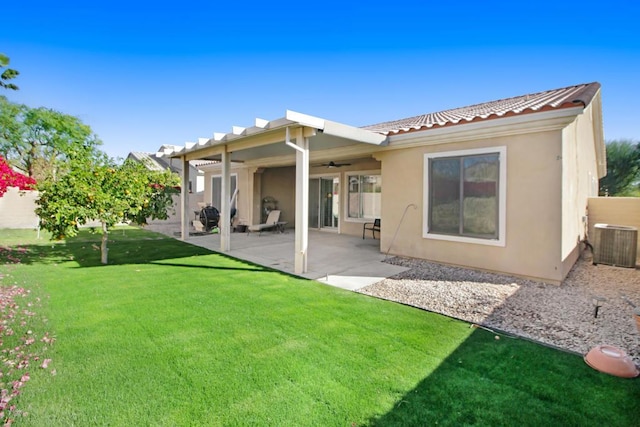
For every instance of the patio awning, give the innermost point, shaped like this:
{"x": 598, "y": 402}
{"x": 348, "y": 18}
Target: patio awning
{"x": 265, "y": 139}
{"x": 290, "y": 139}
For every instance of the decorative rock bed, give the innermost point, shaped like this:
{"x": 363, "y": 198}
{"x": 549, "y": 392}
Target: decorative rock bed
{"x": 563, "y": 316}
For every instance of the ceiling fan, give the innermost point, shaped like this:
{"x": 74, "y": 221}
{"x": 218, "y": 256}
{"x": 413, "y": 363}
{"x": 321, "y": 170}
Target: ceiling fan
{"x": 333, "y": 164}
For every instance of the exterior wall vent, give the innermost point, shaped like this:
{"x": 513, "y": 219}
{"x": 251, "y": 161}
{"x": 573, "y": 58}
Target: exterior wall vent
{"x": 615, "y": 245}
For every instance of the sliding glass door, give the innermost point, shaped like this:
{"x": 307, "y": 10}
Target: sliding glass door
{"x": 324, "y": 203}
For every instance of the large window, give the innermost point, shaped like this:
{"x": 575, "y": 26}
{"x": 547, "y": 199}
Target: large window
{"x": 364, "y": 196}
{"x": 465, "y": 194}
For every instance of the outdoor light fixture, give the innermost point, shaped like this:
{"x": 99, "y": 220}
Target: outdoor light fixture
{"x": 597, "y": 303}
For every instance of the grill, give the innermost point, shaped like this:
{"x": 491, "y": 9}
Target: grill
{"x": 209, "y": 217}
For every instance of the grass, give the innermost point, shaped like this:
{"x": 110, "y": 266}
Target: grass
{"x": 172, "y": 334}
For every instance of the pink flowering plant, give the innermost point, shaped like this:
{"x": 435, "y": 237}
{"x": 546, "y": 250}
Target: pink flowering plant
{"x": 23, "y": 339}
{"x": 11, "y": 178}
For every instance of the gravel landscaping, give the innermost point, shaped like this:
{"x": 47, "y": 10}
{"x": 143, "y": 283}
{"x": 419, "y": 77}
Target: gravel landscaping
{"x": 562, "y": 316}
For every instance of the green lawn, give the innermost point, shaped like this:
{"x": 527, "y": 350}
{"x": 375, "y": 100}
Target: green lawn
{"x": 172, "y": 334}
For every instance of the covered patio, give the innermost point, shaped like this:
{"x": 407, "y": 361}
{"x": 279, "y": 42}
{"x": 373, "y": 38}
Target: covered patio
{"x": 343, "y": 261}
{"x": 295, "y": 139}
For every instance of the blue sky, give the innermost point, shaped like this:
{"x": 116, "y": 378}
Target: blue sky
{"x": 143, "y": 74}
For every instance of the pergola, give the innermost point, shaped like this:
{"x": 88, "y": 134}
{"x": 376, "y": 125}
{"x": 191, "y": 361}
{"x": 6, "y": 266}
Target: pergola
{"x": 304, "y": 135}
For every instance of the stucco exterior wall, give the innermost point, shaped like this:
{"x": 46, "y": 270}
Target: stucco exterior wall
{"x": 533, "y": 208}
{"x": 280, "y": 184}
{"x": 614, "y": 211}
{"x": 17, "y": 209}
{"x": 579, "y": 182}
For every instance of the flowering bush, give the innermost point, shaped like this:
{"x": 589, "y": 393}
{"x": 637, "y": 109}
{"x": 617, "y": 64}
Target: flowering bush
{"x": 11, "y": 178}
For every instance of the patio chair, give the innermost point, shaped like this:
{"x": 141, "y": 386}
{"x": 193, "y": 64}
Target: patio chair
{"x": 272, "y": 222}
{"x": 373, "y": 226}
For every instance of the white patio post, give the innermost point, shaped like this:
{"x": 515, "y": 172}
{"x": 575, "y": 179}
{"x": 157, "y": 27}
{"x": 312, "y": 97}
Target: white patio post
{"x": 184, "y": 199}
{"x": 302, "y": 202}
{"x": 225, "y": 205}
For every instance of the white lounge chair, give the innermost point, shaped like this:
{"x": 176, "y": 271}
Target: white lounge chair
{"x": 270, "y": 223}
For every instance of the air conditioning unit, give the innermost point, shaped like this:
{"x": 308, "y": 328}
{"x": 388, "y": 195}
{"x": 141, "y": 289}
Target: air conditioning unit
{"x": 615, "y": 245}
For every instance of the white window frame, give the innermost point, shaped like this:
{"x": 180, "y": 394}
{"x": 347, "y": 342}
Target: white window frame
{"x": 502, "y": 197}
{"x": 347, "y": 218}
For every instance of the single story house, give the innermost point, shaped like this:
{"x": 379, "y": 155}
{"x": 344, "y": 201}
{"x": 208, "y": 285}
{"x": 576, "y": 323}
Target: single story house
{"x": 499, "y": 186}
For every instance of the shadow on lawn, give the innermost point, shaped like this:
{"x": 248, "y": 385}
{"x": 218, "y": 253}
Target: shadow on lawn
{"x": 508, "y": 381}
{"x": 126, "y": 246}
{"x": 251, "y": 267}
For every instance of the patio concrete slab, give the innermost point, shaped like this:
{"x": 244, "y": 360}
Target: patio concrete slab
{"x": 338, "y": 260}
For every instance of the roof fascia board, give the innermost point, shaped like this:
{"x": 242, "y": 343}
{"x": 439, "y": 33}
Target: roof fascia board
{"x": 599, "y": 142}
{"x": 515, "y": 125}
{"x": 305, "y": 119}
{"x": 353, "y": 133}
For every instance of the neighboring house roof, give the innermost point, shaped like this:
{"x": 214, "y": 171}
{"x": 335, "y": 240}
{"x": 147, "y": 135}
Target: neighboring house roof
{"x": 154, "y": 162}
{"x": 542, "y": 101}
{"x": 199, "y": 163}
{"x": 151, "y": 161}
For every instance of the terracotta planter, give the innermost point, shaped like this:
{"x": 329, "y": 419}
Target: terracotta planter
{"x": 637, "y": 317}
{"x": 611, "y": 360}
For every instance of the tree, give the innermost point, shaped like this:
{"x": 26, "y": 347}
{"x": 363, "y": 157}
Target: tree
{"x": 98, "y": 189}
{"x": 7, "y": 74}
{"x": 11, "y": 178}
{"x": 623, "y": 168}
{"x": 42, "y": 141}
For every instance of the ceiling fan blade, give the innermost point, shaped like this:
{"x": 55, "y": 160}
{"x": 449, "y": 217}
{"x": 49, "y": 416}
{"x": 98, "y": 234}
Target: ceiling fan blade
{"x": 333, "y": 164}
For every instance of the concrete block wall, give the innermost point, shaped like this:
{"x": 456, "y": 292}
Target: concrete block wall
{"x": 17, "y": 209}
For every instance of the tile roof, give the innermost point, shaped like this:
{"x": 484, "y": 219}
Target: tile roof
{"x": 542, "y": 101}
{"x": 199, "y": 163}
{"x": 155, "y": 163}
{"x": 149, "y": 160}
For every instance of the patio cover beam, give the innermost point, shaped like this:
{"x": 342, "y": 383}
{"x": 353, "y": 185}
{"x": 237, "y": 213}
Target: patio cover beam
{"x": 266, "y": 132}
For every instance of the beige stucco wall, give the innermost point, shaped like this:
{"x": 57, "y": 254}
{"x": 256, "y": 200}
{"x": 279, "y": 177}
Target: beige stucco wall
{"x": 17, "y": 209}
{"x": 533, "y": 208}
{"x": 280, "y": 184}
{"x": 614, "y": 211}
{"x": 579, "y": 182}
